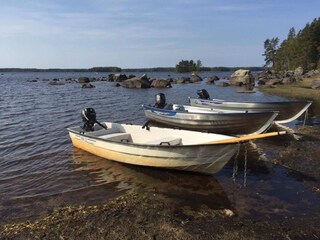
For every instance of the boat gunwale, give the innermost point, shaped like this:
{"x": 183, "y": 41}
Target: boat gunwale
{"x": 255, "y": 102}
{"x": 241, "y": 112}
{"x": 153, "y": 145}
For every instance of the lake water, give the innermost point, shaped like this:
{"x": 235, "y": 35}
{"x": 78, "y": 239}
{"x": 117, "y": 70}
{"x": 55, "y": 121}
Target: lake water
{"x": 40, "y": 170}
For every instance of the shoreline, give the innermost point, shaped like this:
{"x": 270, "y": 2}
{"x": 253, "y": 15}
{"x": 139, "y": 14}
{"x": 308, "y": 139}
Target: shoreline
{"x": 299, "y": 90}
{"x": 150, "y": 215}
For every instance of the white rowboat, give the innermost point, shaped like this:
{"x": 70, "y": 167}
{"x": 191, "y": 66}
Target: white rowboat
{"x": 158, "y": 147}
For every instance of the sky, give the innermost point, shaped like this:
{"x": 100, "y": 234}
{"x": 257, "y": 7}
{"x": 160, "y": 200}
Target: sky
{"x": 144, "y": 33}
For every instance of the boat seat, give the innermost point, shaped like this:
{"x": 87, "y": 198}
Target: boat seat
{"x": 167, "y": 141}
{"x": 98, "y": 133}
{"x": 117, "y": 137}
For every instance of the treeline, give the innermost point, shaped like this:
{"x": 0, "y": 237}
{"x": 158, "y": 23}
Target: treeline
{"x": 300, "y": 49}
{"x": 94, "y": 69}
{"x": 42, "y": 70}
{"x": 156, "y": 69}
{"x": 117, "y": 69}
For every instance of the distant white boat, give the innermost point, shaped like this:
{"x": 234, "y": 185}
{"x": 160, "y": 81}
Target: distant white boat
{"x": 288, "y": 110}
{"x": 212, "y": 120}
{"x": 230, "y": 122}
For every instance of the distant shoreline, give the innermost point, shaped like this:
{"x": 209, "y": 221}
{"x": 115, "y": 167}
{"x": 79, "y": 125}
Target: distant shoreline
{"x": 117, "y": 69}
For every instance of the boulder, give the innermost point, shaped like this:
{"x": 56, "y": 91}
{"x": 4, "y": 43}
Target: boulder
{"x": 288, "y": 80}
{"x": 183, "y": 80}
{"x": 83, "y": 80}
{"x": 144, "y": 77}
{"x": 315, "y": 84}
{"x": 241, "y": 77}
{"x": 56, "y": 83}
{"x": 312, "y": 73}
{"x": 160, "y": 83}
{"x": 87, "y": 85}
{"x": 212, "y": 79}
{"x": 116, "y": 84}
{"x": 272, "y": 82}
{"x": 136, "y": 83}
{"x": 299, "y": 71}
{"x": 131, "y": 76}
{"x": 195, "y": 78}
{"x": 117, "y": 77}
{"x": 261, "y": 82}
{"x": 222, "y": 84}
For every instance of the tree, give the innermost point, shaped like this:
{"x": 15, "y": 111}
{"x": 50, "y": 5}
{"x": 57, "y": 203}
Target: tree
{"x": 270, "y": 47}
{"x": 292, "y": 33}
{"x": 198, "y": 65}
{"x": 186, "y": 66}
{"x": 298, "y": 50}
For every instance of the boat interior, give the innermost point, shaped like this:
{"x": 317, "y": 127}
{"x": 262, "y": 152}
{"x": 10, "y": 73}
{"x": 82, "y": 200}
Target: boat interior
{"x": 126, "y": 133}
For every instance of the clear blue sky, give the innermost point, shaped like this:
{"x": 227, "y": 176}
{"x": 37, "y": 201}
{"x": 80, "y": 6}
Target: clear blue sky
{"x": 144, "y": 33}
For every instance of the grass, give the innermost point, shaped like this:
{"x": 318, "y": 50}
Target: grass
{"x": 299, "y": 90}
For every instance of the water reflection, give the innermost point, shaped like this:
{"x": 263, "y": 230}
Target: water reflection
{"x": 245, "y": 89}
{"x": 180, "y": 188}
{"x": 259, "y": 188}
{"x": 271, "y": 190}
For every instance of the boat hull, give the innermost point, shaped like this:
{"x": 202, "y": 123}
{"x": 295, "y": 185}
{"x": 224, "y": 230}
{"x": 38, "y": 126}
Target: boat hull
{"x": 207, "y": 159}
{"x": 288, "y": 111}
{"x": 223, "y": 123}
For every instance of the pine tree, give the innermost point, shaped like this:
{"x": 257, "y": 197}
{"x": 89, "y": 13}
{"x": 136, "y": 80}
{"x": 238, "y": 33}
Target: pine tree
{"x": 270, "y": 47}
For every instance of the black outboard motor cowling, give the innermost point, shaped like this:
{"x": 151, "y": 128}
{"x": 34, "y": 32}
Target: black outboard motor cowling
{"x": 203, "y": 94}
{"x": 89, "y": 118}
{"x": 160, "y": 100}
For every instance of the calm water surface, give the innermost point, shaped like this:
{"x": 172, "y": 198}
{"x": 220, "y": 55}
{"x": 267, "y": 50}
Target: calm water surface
{"x": 40, "y": 170}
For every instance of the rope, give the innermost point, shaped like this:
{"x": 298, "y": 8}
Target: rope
{"x": 305, "y": 117}
{"x": 245, "y": 166}
{"x": 235, "y": 164}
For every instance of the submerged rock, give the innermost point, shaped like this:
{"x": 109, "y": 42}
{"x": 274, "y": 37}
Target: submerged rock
{"x": 222, "y": 84}
{"x": 87, "y": 85}
{"x": 83, "y": 80}
{"x": 212, "y": 79}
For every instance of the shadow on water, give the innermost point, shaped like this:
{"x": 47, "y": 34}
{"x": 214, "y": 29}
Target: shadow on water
{"x": 180, "y": 188}
{"x": 257, "y": 188}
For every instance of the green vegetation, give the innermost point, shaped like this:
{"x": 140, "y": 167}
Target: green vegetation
{"x": 105, "y": 69}
{"x": 156, "y": 69}
{"x": 298, "y": 50}
{"x": 298, "y": 90}
{"x": 185, "y": 66}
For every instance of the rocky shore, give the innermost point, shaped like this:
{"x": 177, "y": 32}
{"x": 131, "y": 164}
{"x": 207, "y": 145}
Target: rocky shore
{"x": 150, "y": 215}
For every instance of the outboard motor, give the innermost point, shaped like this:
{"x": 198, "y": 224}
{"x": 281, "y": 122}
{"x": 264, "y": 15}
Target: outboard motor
{"x": 89, "y": 119}
{"x": 160, "y": 100}
{"x": 203, "y": 94}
